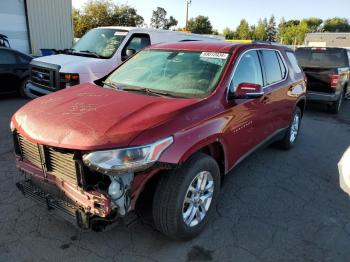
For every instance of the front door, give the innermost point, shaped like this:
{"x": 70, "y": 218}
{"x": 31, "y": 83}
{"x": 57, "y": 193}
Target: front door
{"x": 247, "y": 116}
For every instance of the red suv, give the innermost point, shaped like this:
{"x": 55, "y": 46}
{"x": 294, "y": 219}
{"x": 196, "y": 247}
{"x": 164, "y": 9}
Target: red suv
{"x": 168, "y": 124}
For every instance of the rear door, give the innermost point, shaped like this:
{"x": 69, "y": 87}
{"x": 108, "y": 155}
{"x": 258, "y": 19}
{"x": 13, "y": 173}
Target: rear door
{"x": 277, "y": 105}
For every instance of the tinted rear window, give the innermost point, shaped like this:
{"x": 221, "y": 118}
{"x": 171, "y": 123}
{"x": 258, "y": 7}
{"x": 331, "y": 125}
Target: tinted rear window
{"x": 272, "y": 66}
{"x": 321, "y": 57}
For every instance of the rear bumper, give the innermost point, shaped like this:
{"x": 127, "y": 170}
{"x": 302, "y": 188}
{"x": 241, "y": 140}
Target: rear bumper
{"x": 34, "y": 91}
{"x": 322, "y": 97}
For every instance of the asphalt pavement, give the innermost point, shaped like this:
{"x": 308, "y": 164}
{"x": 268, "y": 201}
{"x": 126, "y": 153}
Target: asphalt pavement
{"x": 275, "y": 206}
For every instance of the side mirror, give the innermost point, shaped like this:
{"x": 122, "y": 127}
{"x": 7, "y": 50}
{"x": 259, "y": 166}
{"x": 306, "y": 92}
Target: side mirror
{"x": 130, "y": 52}
{"x": 248, "y": 90}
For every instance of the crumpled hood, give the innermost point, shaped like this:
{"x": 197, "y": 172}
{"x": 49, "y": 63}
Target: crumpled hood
{"x": 88, "y": 117}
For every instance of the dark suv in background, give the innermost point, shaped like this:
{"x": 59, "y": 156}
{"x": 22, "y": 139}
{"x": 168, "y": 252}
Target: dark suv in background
{"x": 328, "y": 72}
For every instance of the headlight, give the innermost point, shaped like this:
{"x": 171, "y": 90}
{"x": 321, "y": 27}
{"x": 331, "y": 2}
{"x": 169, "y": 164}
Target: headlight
{"x": 344, "y": 170}
{"x": 126, "y": 159}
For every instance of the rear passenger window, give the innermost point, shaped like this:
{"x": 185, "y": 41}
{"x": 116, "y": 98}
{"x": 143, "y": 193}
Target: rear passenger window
{"x": 272, "y": 63}
{"x": 294, "y": 62}
{"x": 248, "y": 70}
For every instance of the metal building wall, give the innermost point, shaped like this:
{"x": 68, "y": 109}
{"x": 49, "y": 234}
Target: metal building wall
{"x": 50, "y": 24}
{"x": 13, "y": 23}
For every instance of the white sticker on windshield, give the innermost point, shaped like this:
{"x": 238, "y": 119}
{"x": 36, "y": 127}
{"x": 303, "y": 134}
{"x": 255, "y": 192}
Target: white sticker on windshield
{"x": 120, "y": 33}
{"x": 214, "y": 55}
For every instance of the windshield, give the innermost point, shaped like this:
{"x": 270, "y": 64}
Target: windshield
{"x": 101, "y": 42}
{"x": 321, "y": 57}
{"x": 177, "y": 73}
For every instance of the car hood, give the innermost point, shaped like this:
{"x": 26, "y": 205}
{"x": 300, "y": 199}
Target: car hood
{"x": 75, "y": 64}
{"x": 88, "y": 117}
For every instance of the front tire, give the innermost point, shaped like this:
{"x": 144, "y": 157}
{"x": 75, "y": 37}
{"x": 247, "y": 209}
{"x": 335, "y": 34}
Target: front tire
{"x": 22, "y": 88}
{"x": 185, "y": 198}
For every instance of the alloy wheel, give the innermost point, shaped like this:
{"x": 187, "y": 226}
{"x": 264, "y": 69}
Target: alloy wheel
{"x": 294, "y": 128}
{"x": 198, "y": 198}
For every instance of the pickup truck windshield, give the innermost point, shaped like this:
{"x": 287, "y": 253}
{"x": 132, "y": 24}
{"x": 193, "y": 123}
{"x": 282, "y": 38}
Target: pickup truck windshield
{"x": 173, "y": 73}
{"x": 322, "y": 57}
{"x": 99, "y": 42}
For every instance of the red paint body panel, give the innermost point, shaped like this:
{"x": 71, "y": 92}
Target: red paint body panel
{"x": 87, "y": 117}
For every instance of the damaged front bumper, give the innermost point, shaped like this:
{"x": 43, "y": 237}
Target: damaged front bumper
{"x": 85, "y": 209}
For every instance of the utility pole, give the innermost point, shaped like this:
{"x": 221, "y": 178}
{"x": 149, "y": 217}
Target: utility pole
{"x": 188, "y": 3}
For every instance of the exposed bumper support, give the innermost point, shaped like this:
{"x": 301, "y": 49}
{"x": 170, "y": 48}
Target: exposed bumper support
{"x": 63, "y": 208}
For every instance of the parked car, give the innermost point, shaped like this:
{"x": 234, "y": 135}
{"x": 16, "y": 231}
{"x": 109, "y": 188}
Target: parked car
{"x": 328, "y": 73}
{"x": 344, "y": 172}
{"x": 95, "y": 55}
{"x": 170, "y": 122}
{"x": 14, "y": 71}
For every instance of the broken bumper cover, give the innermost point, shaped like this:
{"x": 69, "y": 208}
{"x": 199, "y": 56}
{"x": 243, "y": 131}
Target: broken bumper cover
{"x": 62, "y": 208}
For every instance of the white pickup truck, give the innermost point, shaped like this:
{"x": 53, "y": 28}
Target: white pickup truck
{"x": 95, "y": 55}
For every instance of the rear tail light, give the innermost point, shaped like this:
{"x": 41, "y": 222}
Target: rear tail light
{"x": 334, "y": 81}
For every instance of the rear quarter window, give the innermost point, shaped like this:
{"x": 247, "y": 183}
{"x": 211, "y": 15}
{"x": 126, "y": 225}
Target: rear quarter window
{"x": 294, "y": 62}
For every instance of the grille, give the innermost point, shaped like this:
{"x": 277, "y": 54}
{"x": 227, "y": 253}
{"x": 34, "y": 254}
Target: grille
{"x": 43, "y": 77}
{"x": 58, "y": 162}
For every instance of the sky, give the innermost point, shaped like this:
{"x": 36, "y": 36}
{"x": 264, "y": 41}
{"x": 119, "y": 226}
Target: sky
{"x": 228, "y": 13}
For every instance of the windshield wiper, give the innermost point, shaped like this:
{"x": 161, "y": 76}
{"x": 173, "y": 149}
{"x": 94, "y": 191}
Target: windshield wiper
{"x": 89, "y": 53}
{"x": 110, "y": 84}
{"x": 148, "y": 91}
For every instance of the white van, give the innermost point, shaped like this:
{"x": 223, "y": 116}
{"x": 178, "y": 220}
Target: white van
{"x": 95, "y": 55}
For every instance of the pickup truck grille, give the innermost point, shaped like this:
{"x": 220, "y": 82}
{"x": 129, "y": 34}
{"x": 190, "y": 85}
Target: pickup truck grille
{"x": 59, "y": 163}
{"x": 44, "y": 77}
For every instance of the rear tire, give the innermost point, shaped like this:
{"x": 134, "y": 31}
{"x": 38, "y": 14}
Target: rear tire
{"x": 292, "y": 133}
{"x": 335, "y": 106}
{"x": 185, "y": 198}
{"x": 22, "y": 88}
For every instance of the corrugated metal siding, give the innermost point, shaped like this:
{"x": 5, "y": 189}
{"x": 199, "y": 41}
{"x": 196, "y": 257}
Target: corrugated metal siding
{"x": 13, "y": 24}
{"x": 50, "y": 24}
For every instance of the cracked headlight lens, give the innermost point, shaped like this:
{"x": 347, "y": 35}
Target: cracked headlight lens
{"x": 127, "y": 159}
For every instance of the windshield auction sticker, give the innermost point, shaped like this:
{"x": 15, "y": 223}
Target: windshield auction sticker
{"x": 214, "y": 55}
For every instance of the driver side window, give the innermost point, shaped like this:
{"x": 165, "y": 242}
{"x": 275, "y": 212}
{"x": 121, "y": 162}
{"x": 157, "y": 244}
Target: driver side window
{"x": 248, "y": 70}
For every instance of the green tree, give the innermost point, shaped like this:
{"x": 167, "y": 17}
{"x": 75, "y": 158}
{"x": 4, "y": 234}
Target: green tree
{"x": 313, "y": 23}
{"x": 200, "y": 25}
{"x": 159, "y": 19}
{"x": 103, "y": 13}
{"x": 293, "y": 32}
{"x": 271, "y": 30}
{"x": 228, "y": 33}
{"x": 243, "y": 30}
{"x": 336, "y": 24}
{"x": 171, "y": 22}
{"x": 260, "y": 32}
